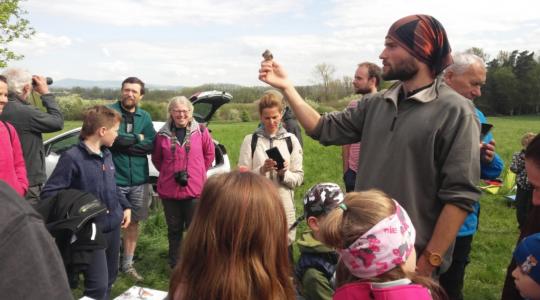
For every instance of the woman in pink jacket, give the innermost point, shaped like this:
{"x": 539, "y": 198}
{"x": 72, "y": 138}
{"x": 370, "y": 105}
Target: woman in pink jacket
{"x": 13, "y": 169}
{"x": 183, "y": 152}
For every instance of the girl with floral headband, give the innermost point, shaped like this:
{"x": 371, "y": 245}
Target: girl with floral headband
{"x": 375, "y": 239}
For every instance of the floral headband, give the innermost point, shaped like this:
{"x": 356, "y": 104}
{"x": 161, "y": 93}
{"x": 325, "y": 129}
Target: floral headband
{"x": 385, "y": 246}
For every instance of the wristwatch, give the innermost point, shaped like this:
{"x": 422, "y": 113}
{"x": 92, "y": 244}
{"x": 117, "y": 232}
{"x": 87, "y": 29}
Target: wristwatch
{"x": 434, "y": 258}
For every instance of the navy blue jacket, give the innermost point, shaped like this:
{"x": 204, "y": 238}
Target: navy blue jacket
{"x": 81, "y": 169}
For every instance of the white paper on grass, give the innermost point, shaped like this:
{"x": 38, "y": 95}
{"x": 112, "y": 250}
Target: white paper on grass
{"x": 142, "y": 293}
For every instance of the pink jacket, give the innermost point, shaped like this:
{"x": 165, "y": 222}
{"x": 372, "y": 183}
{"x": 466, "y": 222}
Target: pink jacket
{"x": 199, "y": 160}
{"x": 12, "y": 166}
{"x": 365, "y": 290}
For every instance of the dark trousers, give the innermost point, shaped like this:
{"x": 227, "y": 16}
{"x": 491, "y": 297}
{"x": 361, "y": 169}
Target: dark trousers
{"x": 178, "y": 215}
{"x": 350, "y": 180}
{"x": 452, "y": 280}
{"x": 523, "y": 205}
{"x": 103, "y": 270}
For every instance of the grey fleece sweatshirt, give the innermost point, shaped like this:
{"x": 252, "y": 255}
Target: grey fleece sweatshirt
{"x": 424, "y": 152}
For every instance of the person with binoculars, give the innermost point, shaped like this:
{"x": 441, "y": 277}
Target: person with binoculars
{"x": 183, "y": 152}
{"x": 31, "y": 122}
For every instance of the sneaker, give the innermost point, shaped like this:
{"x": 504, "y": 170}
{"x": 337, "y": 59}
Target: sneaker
{"x": 133, "y": 273}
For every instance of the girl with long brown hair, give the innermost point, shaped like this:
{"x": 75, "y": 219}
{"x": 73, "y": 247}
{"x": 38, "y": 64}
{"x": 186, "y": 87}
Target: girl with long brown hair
{"x": 375, "y": 239}
{"x": 232, "y": 249}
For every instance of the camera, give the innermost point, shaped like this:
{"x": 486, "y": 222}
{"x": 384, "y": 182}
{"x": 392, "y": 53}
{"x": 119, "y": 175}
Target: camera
{"x": 49, "y": 81}
{"x": 181, "y": 178}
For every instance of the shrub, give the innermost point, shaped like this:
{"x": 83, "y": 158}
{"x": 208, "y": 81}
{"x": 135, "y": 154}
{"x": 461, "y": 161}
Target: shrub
{"x": 245, "y": 116}
{"x": 157, "y": 110}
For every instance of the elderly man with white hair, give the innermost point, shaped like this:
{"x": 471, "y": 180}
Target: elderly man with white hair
{"x": 466, "y": 76}
{"x": 30, "y": 122}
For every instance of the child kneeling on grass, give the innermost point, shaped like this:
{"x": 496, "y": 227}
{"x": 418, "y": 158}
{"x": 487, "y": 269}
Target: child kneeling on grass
{"x": 375, "y": 239}
{"x": 88, "y": 167}
{"x": 317, "y": 263}
{"x": 527, "y": 272}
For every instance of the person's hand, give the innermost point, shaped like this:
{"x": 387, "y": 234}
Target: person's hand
{"x": 127, "y": 218}
{"x": 269, "y": 165}
{"x": 281, "y": 172}
{"x": 487, "y": 151}
{"x": 40, "y": 84}
{"x": 423, "y": 267}
{"x": 273, "y": 74}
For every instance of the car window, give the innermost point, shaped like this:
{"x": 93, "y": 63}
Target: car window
{"x": 202, "y": 110}
{"x": 60, "y": 145}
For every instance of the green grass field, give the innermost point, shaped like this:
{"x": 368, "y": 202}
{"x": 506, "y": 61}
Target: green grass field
{"x": 492, "y": 246}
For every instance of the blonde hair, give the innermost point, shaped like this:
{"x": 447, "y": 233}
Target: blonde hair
{"x": 364, "y": 210}
{"x": 526, "y": 139}
{"x": 271, "y": 99}
{"x": 239, "y": 231}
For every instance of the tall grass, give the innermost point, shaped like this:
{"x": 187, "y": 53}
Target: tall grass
{"x": 492, "y": 245}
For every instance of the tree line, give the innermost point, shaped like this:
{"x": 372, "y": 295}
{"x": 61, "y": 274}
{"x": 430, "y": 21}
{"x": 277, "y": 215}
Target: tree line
{"x": 512, "y": 84}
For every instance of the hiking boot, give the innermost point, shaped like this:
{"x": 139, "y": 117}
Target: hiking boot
{"x": 133, "y": 273}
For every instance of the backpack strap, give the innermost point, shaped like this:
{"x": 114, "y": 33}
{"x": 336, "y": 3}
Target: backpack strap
{"x": 288, "y": 140}
{"x": 9, "y": 131}
{"x": 255, "y": 138}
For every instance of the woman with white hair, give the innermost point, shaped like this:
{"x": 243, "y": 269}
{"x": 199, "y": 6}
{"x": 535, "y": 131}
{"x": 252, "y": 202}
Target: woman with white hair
{"x": 183, "y": 152}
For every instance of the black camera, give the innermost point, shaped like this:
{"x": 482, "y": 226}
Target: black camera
{"x": 48, "y": 79}
{"x": 181, "y": 178}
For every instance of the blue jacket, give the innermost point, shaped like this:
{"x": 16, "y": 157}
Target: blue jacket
{"x": 489, "y": 170}
{"x": 81, "y": 169}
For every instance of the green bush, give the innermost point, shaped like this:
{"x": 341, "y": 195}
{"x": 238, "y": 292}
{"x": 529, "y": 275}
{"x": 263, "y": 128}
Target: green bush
{"x": 157, "y": 110}
{"x": 73, "y": 106}
{"x": 245, "y": 116}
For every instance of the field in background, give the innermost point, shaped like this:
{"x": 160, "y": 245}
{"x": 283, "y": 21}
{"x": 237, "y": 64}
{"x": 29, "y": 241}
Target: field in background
{"x": 492, "y": 246}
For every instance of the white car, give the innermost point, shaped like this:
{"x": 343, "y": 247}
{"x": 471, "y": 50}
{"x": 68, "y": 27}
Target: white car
{"x": 205, "y": 105}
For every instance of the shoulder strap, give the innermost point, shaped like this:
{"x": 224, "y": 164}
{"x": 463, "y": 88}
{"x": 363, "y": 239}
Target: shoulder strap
{"x": 289, "y": 144}
{"x": 9, "y": 131}
{"x": 254, "y": 138}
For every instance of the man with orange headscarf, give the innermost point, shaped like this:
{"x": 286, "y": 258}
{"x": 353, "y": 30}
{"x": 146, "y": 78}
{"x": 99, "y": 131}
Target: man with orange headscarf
{"x": 420, "y": 139}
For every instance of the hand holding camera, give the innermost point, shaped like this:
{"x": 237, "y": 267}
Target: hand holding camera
{"x": 41, "y": 84}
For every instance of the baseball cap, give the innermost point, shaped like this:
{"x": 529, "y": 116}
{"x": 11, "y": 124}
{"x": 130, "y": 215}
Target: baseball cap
{"x": 322, "y": 198}
{"x": 527, "y": 256}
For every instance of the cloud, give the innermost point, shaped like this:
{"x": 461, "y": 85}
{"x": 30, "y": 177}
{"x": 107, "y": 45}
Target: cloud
{"x": 164, "y": 12}
{"x": 41, "y": 43}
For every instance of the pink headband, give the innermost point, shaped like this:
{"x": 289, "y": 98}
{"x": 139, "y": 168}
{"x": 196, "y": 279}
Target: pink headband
{"x": 384, "y": 246}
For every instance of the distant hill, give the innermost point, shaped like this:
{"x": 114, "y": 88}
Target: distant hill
{"x": 69, "y": 83}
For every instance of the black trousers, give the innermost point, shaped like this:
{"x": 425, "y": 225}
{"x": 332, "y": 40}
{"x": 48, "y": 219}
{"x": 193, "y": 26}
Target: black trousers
{"x": 452, "y": 280}
{"x": 178, "y": 214}
{"x": 523, "y": 205}
{"x": 350, "y": 180}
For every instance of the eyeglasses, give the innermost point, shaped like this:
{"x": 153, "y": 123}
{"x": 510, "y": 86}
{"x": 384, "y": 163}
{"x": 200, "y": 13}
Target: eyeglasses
{"x": 180, "y": 111}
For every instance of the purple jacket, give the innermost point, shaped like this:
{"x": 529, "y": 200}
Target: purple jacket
{"x": 198, "y": 161}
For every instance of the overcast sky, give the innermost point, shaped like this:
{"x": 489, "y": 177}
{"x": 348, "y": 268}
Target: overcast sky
{"x": 220, "y": 41}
